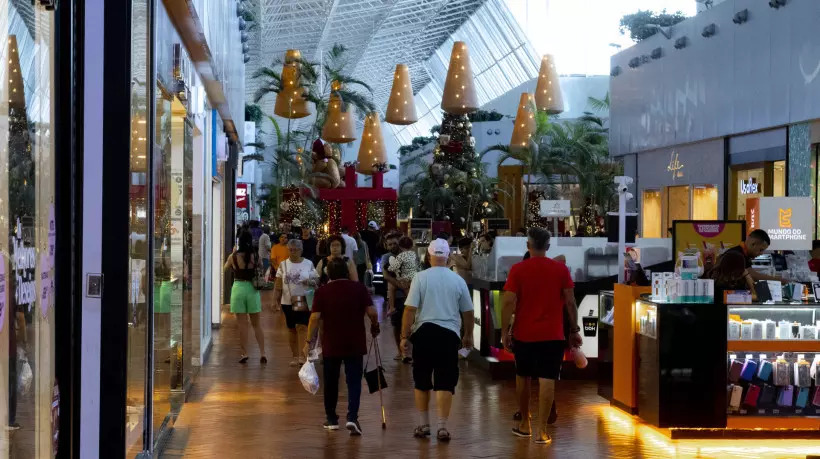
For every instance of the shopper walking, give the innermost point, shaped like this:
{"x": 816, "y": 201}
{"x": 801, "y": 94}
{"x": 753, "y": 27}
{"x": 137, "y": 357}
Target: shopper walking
{"x": 350, "y": 244}
{"x": 361, "y": 257}
{"x": 309, "y": 244}
{"x": 372, "y": 237}
{"x": 264, "y": 248}
{"x": 396, "y": 293}
{"x": 279, "y": 252}
{"x": 341, "y": 305}
{"x": 294, "y": 278}
{"x": 437, "y": 303}
{"x": 538, "y": 290}
{"x": 337, "y": 246}
{"x": 245, "y": 300}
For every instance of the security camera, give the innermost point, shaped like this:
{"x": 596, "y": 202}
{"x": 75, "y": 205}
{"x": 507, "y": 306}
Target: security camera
{"x": 622, "y": 189}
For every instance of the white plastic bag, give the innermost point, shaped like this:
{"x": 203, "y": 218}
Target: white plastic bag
{"x": 309, "y": 377}
{"x": 25, "y": 377}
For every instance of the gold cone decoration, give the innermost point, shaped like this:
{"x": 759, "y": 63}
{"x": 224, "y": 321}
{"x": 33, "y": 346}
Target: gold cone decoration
{"x": 371, "y": 150}
{"x": 401, "y": 108}
{"x": 459, "y": 97}
{"x": 290, "y": 102}
{"x": 339, "y": 127}
{"x": 524, "y": 126}
{"x": 548, "y": 89}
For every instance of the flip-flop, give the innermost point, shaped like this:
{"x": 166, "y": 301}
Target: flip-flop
{"x": 520, "y": 433}
{"x": 422, "y": 431}
{"x": 443, "y": 435}
{"x": 243, "y": 359}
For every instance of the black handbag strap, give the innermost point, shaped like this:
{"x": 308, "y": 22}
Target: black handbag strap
{"x": 377, "y": 354}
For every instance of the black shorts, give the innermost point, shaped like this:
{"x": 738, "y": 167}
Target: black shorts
{"x": 435, "y": 358}
{"x": 294, "y": 318}
{"x": 395, "y": 318}
{"x": 540, "y": 359}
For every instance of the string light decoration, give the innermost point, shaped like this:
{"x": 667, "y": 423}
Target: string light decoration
{"x": 548, "y": 96}
{"x": 401, "y": 108}
{"x": 534, "y": 218}
{"x": 459, "y": 96}
{"x": 375, "y": 212}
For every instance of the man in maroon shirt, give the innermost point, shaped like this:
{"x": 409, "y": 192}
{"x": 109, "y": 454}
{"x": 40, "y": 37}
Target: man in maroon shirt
{"x": 342, "y": 304}
{"x": 538, "y": 290}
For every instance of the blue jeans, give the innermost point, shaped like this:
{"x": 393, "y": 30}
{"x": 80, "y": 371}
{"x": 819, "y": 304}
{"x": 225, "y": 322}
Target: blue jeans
{"x": 353, "y": 377}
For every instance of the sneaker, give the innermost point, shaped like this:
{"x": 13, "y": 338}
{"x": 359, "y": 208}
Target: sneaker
{"x": 543, "y": 439}
{"x": 422, "y": 431}
{"x": 12, "y": 427}
{"x": 520, "y": 433}
{"x": 354, "y": 428}
{"x": 331, "y": 425}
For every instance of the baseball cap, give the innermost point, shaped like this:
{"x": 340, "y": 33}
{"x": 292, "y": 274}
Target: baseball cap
{"x": 296, "y": 222}
{"x": 373, "y": 225}
{"x": 439, "y": 248}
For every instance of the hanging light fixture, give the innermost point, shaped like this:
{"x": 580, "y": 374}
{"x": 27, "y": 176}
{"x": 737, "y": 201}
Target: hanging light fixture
{"x": 371, "y": 150}
{"x": 524, "y": 123}
{"x": 290, "y": 102}
{"x": 401, "y": 108}
{"x": 338, "y": 126}
{"x": 548, "y": 89}
{"x": 459, "y": 97}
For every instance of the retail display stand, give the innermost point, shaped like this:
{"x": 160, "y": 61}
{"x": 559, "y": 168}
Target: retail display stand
{"x": 624, "y": 393}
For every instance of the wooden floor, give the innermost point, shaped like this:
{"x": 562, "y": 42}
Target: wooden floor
{"x": 263, "y": 412}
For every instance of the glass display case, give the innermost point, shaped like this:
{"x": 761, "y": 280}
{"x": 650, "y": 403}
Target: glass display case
{"x": 646, "y": 318}
{"x": 606, "y": 307}
{"x": 772, "y": 355}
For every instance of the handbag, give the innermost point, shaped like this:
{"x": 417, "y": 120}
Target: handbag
{"x": 299, "y": 303}
{"x": 375, "y": 378}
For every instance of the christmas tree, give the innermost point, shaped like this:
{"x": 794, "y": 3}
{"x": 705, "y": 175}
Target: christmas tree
{"x": 458, "y": 188}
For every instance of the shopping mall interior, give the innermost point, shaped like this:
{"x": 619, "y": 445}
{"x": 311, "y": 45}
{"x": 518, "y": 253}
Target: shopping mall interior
{"x": 519, "y": 228}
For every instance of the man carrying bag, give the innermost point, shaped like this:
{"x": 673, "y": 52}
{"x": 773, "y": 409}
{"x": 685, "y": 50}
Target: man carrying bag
{"x": 341, "y": 304}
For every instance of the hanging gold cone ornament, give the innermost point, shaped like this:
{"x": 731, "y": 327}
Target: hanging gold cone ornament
{"x": 401, "y": 108}
{"x": 548, "y": 96}
{"x": 371, "y": 150}
{"x": 339, "y": 127}
{"x": 524, "y": 123}
{"x": 290, "y": 102}
{"x": 459, "y": 97}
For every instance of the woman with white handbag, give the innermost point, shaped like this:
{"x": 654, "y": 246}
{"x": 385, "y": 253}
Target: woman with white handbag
{"x": 295, "y": 280}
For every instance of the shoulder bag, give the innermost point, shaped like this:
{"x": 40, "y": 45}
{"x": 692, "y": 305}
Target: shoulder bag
{"x": 297, "y": 303}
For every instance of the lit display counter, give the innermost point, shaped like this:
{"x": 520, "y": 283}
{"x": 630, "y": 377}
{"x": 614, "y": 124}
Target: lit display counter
{"x": 706, "y": 370}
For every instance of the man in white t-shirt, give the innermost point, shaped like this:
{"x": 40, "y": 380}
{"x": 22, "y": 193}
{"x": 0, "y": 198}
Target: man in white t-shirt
{"x": 350, "y": 244}
{"x": 436, "y": 305}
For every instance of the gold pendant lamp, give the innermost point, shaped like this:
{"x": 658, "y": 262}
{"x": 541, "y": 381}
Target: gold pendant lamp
{"x": 290, "y": 102}
{"x": 371, "y": 150}
{"x": 524, "y": 126}
{"x": 548, "y": 89}
{"x": 401, "y": 108}
{"x": 338, "y": 126}
{"x": 459, "y": 97}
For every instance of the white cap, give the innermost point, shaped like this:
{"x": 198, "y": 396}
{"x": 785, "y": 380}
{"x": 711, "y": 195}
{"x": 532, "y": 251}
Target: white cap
{"x": 439, "y": 248}
{"x": 373, "y": 225}
{"x": 296, "y": 222}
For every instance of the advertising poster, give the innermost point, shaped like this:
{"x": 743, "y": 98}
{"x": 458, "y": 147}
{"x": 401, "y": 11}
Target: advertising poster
{"x": 710, "y": 238}
{"x": 789, "y": 222}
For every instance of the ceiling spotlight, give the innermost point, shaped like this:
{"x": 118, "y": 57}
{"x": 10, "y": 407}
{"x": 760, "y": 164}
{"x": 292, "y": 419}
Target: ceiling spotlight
{"x": 657, "y": 53}
{"x": 247, "y": 59}
{"x": 681, "y": 42}
{"x": 242, "y": 24}
{"x": 244, "y": 36}
{"x": 741, "y": 17}
{"x": 245, "y": 48}
{"x": 709, "y": 30}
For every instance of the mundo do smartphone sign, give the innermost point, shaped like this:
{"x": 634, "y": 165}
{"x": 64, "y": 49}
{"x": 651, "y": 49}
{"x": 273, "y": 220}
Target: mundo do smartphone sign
{"x": 788, "y": 221}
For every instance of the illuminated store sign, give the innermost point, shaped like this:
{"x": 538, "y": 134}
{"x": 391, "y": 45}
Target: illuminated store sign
{"x": 750, "y": 186}
{"x": 788, "y": 221}
{"x": 675, "y": 166}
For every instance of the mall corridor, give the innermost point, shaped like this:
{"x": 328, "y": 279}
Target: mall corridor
{"x": 263, "y": 412}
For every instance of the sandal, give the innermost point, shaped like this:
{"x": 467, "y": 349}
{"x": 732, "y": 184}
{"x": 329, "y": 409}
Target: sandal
{"x": 443, "y": 435}
{"x": 520, "y": 433}
{"x": 263, "y": 360}
{"x": 422, "y": 431}
{"x": 243, "y": 359}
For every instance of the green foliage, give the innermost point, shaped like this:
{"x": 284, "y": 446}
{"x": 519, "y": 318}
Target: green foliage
{"x": 636, "y": 24}
{"x": 599, "y": 105}
{"x": 253, "y": 112}
{"x": 483, "y": 115}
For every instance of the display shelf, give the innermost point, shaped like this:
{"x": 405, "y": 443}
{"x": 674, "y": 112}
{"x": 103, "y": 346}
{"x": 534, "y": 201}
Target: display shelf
{"x": 646, "y": 318}
{"x": 774, "y": 345}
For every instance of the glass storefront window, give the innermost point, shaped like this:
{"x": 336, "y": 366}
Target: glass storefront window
{"x": 779, "y": 178}
{"x": 26, "y": 231}
{"x": 651, "y": 214}
{"x": 744, "y": 184}
{"x": 704, "y": 202}
{"x": 677, "y": 204}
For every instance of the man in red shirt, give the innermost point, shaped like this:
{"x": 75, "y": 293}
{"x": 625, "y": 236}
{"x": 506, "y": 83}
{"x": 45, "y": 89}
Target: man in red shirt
{"x": 341, "y": 305}
{"x": 538, "y": 291}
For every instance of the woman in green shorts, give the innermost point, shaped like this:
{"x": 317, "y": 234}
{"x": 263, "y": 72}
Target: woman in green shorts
{"x": 245, "y": 299}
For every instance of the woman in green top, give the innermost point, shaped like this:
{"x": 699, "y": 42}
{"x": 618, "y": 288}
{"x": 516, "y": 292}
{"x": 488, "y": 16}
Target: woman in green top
{"x": 245, "y": 300}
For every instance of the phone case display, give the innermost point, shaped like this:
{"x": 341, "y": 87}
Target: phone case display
{"x": 802, "y": 376}
{"x": 767, "y": 396}
{"x": 772, "y": 385}
{"x": 749, "y": 370}
{"x": 735, "y": 368}
{"x": 779, "y": 321}
{"x": 765, "y": 370}
{"x": 781, "y": 373}
{"x": 682, "y": 287}
{"x": 816, "y": 399}
{"x": 785, "y": 397}
{"x": 752, "y": 395}
{"x": 606, "y": 307}
{"x": 735, "y": 396}
{"x": 802, "y": 397}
